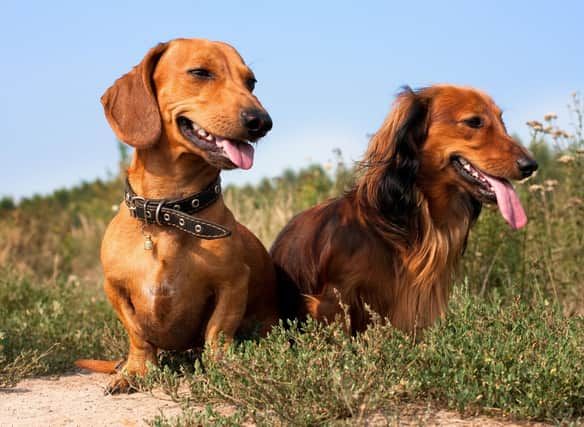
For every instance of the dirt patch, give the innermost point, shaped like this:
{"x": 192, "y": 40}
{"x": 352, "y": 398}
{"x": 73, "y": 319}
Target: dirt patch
{"x": 78, "y": 400}
{"x": 414, "y": 415}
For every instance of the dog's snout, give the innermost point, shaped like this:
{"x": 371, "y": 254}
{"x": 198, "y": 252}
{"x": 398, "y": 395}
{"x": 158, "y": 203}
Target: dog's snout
{"x": 526, "y": 166}
{"x": 257, "y": 122}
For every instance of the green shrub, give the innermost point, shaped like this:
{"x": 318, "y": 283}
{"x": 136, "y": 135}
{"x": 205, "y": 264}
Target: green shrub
{"x": 504, "y": 357}
{"x": 60, "y": 319}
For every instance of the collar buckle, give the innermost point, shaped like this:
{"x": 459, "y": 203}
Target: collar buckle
{"x": 131, "y": 202}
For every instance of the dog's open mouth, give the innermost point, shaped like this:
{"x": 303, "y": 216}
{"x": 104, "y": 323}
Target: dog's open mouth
{"x": 239, "y": 153}
{"x": 491, "y": 189}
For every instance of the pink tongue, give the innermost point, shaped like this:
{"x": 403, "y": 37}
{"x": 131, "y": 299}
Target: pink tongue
{"x": 240, "y": 153}
{"x": 508, "y": 202}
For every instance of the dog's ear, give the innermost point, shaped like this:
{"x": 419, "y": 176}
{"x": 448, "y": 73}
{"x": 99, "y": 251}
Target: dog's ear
{"x": 130, "y": 104}
{"x": 408, "y": 131}
{"x": 393, "y": 158}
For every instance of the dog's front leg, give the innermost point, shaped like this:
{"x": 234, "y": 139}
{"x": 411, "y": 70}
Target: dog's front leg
{"x": 231, "y": 303}
{"x": 141, "y": 352}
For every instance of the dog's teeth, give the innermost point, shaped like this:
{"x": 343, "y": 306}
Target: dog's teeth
{"x": 209, "y": 138}
{"x": 467, "y": 167}
{"x": 195, "y": 127}
{"x": 202, "y": 133}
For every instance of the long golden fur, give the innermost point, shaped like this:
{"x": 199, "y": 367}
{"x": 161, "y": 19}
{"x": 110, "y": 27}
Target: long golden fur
{"x": 393, "y": 241}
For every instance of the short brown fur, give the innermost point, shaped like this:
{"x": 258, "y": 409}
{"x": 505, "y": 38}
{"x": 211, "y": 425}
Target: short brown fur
{"x": 186, "y": 291}
{"x": 393, "y": 241}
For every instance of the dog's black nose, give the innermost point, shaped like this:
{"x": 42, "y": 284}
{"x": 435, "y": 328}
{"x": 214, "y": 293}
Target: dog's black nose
{"x": 527, "y": 166}
{"x": 257, "y": 122}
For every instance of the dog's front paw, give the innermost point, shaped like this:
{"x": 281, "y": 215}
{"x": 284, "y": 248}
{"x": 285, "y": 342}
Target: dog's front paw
{"x": 119, "y": 384}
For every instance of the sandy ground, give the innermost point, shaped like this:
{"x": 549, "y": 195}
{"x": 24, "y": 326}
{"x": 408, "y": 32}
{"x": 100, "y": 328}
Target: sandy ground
{"x": 78, "y": 400}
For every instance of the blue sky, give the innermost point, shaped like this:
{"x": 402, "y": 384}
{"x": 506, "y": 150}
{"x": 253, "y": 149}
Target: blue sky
{"x": 327, "y": 71}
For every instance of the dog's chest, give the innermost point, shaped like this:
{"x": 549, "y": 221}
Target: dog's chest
{"x": 171, "y": 302}
{"x": 168, "y": 286}
{"x": 171, "y": 287}
{"x": 171, "y": 274}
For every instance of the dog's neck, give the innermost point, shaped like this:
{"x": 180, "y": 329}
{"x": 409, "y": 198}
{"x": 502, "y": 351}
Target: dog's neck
{"x": 431, "y": 264}
{"x": 448, "y": 212}
{"x": 443, "y": 225}
{"x": 156, "y": 173}
{"x": 448, "y": 208}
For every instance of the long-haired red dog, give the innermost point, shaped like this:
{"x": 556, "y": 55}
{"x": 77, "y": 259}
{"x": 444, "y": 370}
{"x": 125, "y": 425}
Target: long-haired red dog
{"x": 393, "y": 241}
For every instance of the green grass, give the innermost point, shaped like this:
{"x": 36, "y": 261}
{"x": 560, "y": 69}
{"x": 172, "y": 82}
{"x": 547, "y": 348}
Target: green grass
{"x": 45, "y": 326}
{"x": 499, "y": 357}
{"x": 16, "y": 368}
{"x": 504, "y": 356}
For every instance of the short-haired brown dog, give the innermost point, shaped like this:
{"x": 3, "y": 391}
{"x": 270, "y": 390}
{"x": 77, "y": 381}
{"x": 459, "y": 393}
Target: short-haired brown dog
{"x": 179, "y": 269}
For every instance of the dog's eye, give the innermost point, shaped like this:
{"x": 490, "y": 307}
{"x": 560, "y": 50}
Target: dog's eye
{"x": 201, "y": 73}
{"x": 250, "y": 83}
{"x": 475, "y": 122}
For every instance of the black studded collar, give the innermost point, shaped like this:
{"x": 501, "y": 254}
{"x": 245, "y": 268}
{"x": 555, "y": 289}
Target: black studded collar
{"x": 178, "y": 213}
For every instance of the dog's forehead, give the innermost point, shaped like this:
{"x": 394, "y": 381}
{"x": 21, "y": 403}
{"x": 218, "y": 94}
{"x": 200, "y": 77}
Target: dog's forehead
{"x": 201, "y": 52}
{"x": 487, "y": 102}
{"x": 463, "y": 100}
